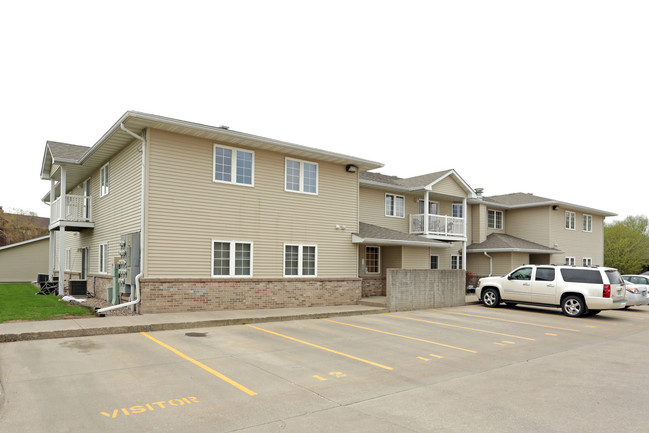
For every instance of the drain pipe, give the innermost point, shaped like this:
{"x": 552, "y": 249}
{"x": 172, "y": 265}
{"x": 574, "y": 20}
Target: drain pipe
{"x": 138, "y": 276}
{"x": 491, "y": 263}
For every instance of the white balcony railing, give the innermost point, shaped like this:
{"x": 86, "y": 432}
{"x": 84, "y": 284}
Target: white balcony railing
{"x": 77, "y": 209}
{"x": 438, "y": 225}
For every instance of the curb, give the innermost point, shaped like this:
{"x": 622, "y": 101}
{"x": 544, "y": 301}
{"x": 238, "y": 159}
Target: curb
{"x": 44, "y": 335}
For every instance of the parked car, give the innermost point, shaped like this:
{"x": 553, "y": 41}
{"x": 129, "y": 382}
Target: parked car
{"x": 578, "y": 290}
{"x": 635, "y": 295}
{"x": 637, "y": 290}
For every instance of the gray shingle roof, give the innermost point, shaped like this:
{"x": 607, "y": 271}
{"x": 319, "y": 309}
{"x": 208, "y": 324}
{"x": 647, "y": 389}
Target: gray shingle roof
{"x": 409, "y": 183}
{"x": 500, "y": 242}
{"x": 66, "y": 151}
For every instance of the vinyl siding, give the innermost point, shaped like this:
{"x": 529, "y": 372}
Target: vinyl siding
{"x": 448, "y": 186}
{"x": 577, "y": 243}
{"x": 532, "y": 224}
{"x": 116, "y": 213}
{"x": 187, "y": 210}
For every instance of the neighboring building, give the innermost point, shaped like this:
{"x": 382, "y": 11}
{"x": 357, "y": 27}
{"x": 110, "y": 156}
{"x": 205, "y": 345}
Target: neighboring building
{"x": 225, "y": 220}
{"x": 22, "y": 262}
{"x": 516, "y": 229}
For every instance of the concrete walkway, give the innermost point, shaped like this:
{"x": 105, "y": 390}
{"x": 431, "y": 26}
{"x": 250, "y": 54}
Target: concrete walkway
{"x": 39, "y": 330}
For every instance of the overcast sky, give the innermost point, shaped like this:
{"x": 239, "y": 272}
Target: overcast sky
{"x": 544, "y": 97}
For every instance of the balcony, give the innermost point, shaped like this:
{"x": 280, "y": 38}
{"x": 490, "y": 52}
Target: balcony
{"x": 75, "y": 215}
{"x": 439, "y": 226}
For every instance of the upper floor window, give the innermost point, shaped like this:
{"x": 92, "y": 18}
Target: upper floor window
{"x": 588, "y": 223}
{"x": 104, "y": 180}
{"x": 494, "y": 219}
{"x": 458, "y": 210}
{"x": 570, "y": 261}
{"x": 433, "y": 207}
{"x": 587, "y": 261}
{"x": 233, "y": 165}
{"x": 571, "y": 218}
{"x": 395, "y": 205}
{"x": 301, "y": 176}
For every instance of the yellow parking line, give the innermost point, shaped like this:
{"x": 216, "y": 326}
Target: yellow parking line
{"x": 321, "y": 347}
{"x": 201, "y": 365}
{"x": 506, "y": 320}
{"x": 402, "y": 336}
{"x": 460, "y": 327}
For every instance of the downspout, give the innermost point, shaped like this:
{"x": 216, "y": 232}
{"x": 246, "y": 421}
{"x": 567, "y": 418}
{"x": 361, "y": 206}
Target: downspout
{"x": 491, "y": 263}
{"x": 138, "y": 276}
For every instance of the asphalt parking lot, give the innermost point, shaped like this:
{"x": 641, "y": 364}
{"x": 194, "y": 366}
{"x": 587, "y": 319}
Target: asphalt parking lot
{"x": 461, "y": 369}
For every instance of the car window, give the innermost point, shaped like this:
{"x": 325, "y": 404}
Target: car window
{"x": 582, "y": 276}
{"x": 544, "y": 274}
{"x": 521, "y": 274}
{"x": 638, "y": 280}
{"x": 614, "y": 276}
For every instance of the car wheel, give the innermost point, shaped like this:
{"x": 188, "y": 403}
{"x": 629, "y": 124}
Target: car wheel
{"x": 491, "y": 298}
{"x": 573, "y": 306}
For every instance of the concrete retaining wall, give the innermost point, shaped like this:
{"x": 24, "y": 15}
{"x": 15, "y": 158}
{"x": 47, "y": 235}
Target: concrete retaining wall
{"x": 416, "y": 289}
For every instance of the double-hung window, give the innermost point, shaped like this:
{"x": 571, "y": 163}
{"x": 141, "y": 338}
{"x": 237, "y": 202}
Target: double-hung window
{"x": 571, "y": 218}
{"x": 494, "y": 219}
{"x": 395, "y": 205}
{"x": 104, "y": 177}
{"x": 588, "y": 223}
{"x": 300, "y": 260}
{"x": 301, "y": 176}
{"x": 231, "y": 259}
{"x": 234, "y": 165}
{"x": 456, "y": 262}
{"x": 434, "y": 262}
{"x": 103, "y": 259}
{"x": 458, "y": 210}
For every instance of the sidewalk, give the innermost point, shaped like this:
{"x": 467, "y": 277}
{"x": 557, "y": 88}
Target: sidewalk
{"x": 40, "y": 330}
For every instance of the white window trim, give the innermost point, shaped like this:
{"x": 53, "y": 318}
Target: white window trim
{"x": 458, "y": 258}
{"x": 420, "y": 203}
{"x": 232, "y": 271}
{"x": 395, "y": 205}
{"x": 587, "y": 261}
{"x": 587, "y": 228}
{"x": 502, "y": 219}
{"x": 378, "y": 260}
{"x": 102, "y": 265}
{"x": 570, "y": 220}
{"x": 233, "y": 167}
{"x": 457, "y": 205}
{"x": 301, "y": 185}
{"x": 300, "y": 260}
{"x": 104, "y": 180}
{"x": 570, "y": 261}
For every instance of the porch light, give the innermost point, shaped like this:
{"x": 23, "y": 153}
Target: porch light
{"x": 351, "y": 168}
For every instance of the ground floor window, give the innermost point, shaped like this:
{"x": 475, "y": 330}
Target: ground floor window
{"x": 434, "y": 262}
{"x": 231, "y": 259}
{"x": 103, "y": 258}
{"x": 300, "y": 260}
{"x": 372, "y": 260}
{"x": 587, "y": 261}
{"x": 456, "y": 262}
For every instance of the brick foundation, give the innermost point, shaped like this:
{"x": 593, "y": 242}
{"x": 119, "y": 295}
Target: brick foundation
{"x": 177, "y": 295}
{"x": 373, "y": 286}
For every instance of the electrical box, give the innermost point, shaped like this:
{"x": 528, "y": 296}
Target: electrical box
{"x": 129, "y": 261}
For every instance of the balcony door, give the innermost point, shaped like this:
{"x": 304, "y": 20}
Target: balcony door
{"x": 86, "y": 200}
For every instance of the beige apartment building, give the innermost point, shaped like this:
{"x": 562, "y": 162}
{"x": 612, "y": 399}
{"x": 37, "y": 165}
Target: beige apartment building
{"x": 179, "y": 216}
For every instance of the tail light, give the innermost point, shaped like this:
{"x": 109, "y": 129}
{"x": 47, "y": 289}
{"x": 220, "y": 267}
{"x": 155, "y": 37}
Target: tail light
{"x": 607, "y": 291}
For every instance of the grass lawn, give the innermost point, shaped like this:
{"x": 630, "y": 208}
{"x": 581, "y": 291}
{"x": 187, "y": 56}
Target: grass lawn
{"x": 19, "y": 302}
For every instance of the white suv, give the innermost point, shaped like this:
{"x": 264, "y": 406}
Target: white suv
{"x": 577, "y": 290}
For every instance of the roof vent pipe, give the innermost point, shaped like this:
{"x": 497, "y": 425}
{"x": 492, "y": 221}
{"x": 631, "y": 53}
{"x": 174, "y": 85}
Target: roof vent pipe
{"x": 478, "y": 192}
